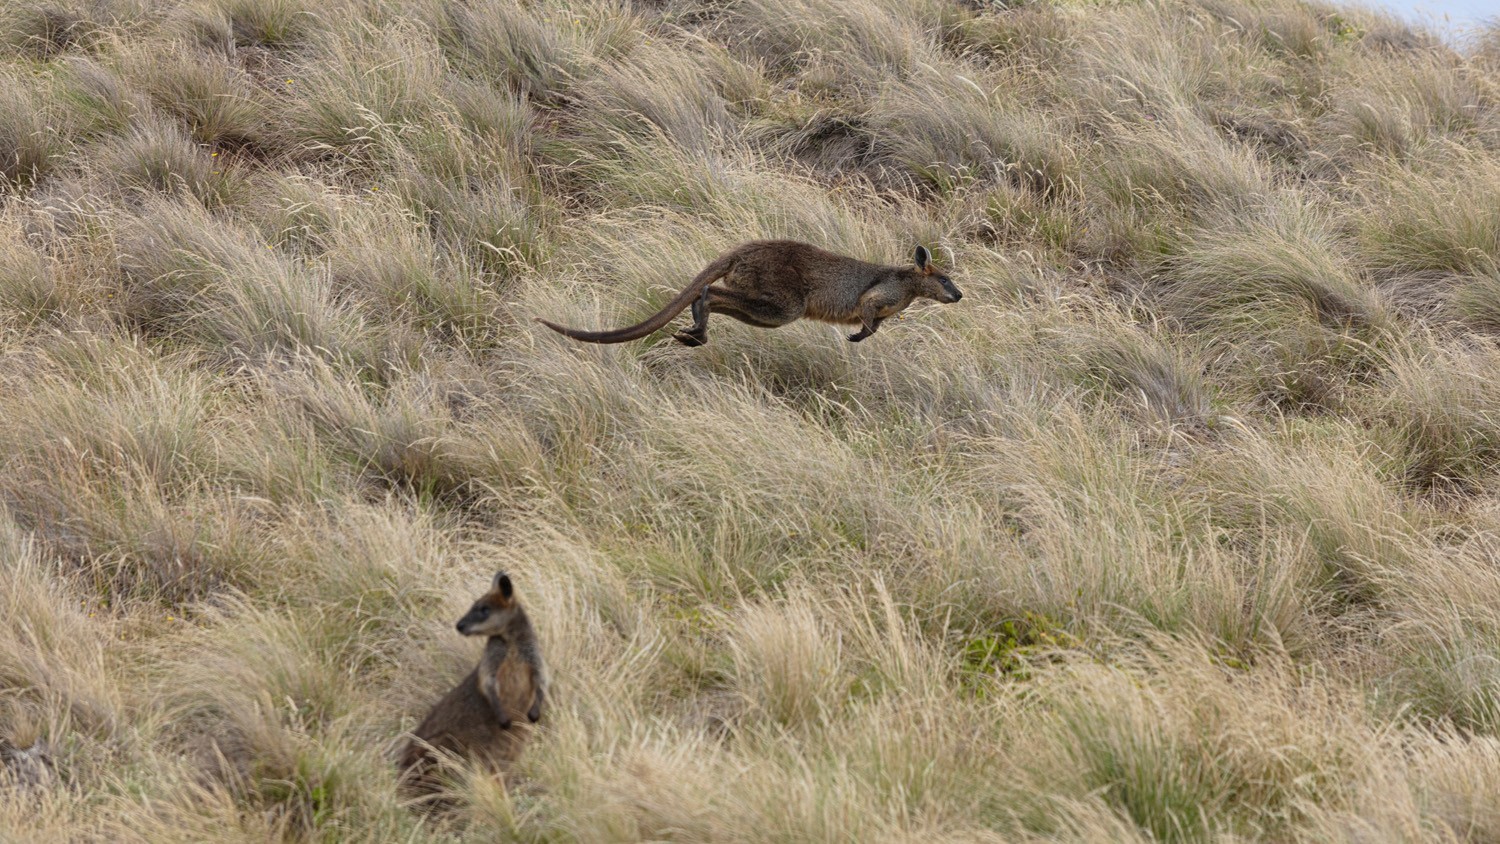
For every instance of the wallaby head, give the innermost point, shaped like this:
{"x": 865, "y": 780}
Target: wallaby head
{"x": 935, "y": 284}
{"x": 494, "y": 610}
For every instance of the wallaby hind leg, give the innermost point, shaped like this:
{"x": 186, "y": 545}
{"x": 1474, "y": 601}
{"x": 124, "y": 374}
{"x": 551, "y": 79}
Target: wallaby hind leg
{"x": 698, "y": 334}
{"x": 759, "y": 312}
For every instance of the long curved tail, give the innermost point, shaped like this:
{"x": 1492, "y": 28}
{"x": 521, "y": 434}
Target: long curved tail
{"x": 712, "y": 273}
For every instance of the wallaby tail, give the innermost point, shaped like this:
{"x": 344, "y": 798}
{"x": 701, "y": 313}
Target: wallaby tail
{"x": 713, "y": 272}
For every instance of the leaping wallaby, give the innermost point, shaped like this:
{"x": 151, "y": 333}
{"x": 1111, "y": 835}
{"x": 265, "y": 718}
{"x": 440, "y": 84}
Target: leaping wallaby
{"x": 769, "y": 283}
{"x": 477, "y": 718}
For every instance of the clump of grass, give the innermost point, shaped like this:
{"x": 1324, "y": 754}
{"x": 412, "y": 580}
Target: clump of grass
{"x": 410, "y": 275}
{"x": 1444, "y": 405}
{"x": 1282, "y": 28}
{"x": 865, "y": 42}
{"x": 297, "y": 213}
{"x": 1318, "y": 485}
{"x": 45, "y": 30}
{"x": 98, "y": 103}
{"x": 216, "y": 102}
{"x": 1434, "y": 222}
{"x": 28, "y": 284}
{"x": 480, "y": 205}
{"x": 274, "y": 24}
{"x": 360, "y": 86}
{"x": 1476, "y": 303}
{"x": 154, "y": 534}
{"x": 29, "y": 149}
{"x": 1177, "y": 161}
{"x": 493, "y": 229}
{"x": 646, "y": 97}
{"x": 785, "y": 665}
{"x": 533, "y": 51}
{"x": 1296, "y": 316}
{"x": 1016, "y": 215}
{"x": 226, "y": 289}
{"x": 1239, "y": 754}
{"x": 1286, "y": 264}
{"x": 1141, "y": 372}
{"x": 497, "y": 118}
{"x": 1405, "y": 107}
{"x": 398, "y": 438}
{"x": 156, "y": 157}
{"x": 948, "y": 128}
{"x": 1030, "y": 34}
{"x": 54, "y": 652}
{"x": 1449, "y": 673}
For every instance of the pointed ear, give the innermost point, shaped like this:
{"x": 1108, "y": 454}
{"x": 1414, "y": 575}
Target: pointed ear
{"x": 502, "y": 584}
{"x": 921, "y": 258}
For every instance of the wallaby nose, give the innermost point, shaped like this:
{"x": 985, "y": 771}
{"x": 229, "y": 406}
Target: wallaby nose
{"x": 460, "y": 626}
{"x": 957, "y": 294}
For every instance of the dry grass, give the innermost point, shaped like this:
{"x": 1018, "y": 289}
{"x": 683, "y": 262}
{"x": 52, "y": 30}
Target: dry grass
{"x": 1180, "y": 527}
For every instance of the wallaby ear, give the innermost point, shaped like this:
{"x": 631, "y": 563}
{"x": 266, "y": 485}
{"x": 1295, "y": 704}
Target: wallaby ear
{"x": 921, "y": 258}
{"x": 502, "y": 585}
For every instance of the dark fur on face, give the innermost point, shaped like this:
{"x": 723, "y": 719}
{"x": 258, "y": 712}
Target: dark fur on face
{"x": 493, "y": 612}
{"x": 938, "y": 287}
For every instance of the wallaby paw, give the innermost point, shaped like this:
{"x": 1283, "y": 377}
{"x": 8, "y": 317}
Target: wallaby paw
{"x": 688, "y": 338}
{"x": 855, "y": 338}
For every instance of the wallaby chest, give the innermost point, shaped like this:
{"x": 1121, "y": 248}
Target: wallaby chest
{"x": 505, "y": 676}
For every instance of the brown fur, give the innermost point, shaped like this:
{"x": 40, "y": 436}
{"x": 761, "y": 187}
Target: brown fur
{"x": 482, "y": 718}
{"x": 769, "y": 283}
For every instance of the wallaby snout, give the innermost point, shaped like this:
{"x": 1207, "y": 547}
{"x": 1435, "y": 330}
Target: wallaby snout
{"x": 467, "y": 622}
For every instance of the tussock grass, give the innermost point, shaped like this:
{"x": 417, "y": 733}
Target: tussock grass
{"x": 187, "y": 273}
{"x": 44, "y": 30}
{"x": 279, "y": 25}
{"x": 157, "y": 157}
{"x": 1402, "y": 108}
{"x": 1477, "y": 303}
{"x": 348, "y": 93}
{"x": 216, "y": 102}
{"x": 1140, "y": 745}
{"x": 948, "y": 130}
{"x": 97, "y": 101}
{"x": 1435, "y": 222}
{"x": 28, "y": 281}
{"x": 664, "y": 96}
{"x": 1444, "y": 406}
{"x": 29, "y": 150}
{"x": 1181, "y": 526}
{"x": 868, "y": 41}
{"x": 1296, "y": 319}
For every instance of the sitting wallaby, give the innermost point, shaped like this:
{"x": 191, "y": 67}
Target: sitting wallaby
{"x": 475, "y": 719}
{"x": 769, "y": 283}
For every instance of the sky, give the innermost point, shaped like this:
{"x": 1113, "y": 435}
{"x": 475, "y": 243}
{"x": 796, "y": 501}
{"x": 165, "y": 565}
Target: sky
{"x": 1442, "y": 13}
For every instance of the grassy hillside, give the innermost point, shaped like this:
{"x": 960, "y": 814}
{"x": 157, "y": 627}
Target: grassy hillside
{"x": 1184, "y": 525}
